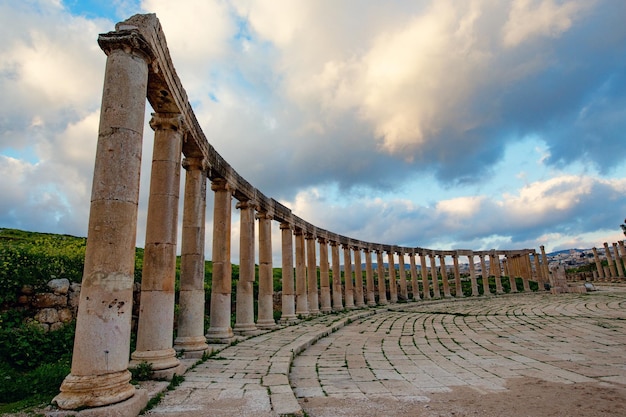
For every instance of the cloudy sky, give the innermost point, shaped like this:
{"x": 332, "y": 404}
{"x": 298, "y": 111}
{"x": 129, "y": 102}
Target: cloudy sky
{"x": 444, "y": 124}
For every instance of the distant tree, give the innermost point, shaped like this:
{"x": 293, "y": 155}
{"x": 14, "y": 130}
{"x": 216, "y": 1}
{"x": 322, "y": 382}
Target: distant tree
{"x": 623, "y": 226}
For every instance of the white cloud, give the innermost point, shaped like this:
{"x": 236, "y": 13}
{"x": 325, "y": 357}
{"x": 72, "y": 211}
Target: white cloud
{"x": 529, "y": 19}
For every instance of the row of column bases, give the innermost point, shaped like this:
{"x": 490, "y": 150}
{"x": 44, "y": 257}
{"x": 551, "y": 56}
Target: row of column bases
{"x": 99, "y": 374}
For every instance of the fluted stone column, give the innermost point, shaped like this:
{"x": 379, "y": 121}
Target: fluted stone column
{"x": 598, "y": 263}
{"x": 288, "y": 297}
{"x": 393, "y": 285}
{"x": 472, "y": 274}
{"x": 457, "y": 276}
{"x": 512, "y": 273}
{"x": 484, "y": 274}
{"x": 495, "y": 262}
{"x": 433, "y": 275}
{"x": 219, "y": 328}
{"x": 444, "y": 276}
{"x": 326, "y": 306}
{"x": 156, "y": 314}
{"x": 99, "y": 374}
{"x": 347, "y": 267}
{"x": 609, "y": 259}
{"x": 382, "y": 286}
{"x": 190, "y": 335}
{"x": 415, "y": 289}
{"x": 244, "y": 310}
{"x": 311, "y": 274}
{"x": 404, "y": 291}
{"x": 618, "y": 263}
{"x": 359, "y": 300}
{"x": 369, "y": 278}
{"x": 337, "y": 289}
{"x": 302, "y": 302}
{"x": 424, "y": 273}
{"x": 266, "y": 277}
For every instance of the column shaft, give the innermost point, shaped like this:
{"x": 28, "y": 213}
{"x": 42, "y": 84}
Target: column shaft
{"x": 288, "y": 298}
{"x": 424, "y": 273}
{"x": 472, "y": 274}
{"x": 444, "y": 276}
{"x": 369, "y": 278}
{"x": 495, "y": 260}
{"x": 358, "y": 279}
{"x": 311, "y": 275}
{"x": 266, "y": 275}
{"x": 302, "y": 302}
{"x": 347, "y": 267}
{"x": 99, "y": 374}
{"x": 326, "y": 306}
{"x": 415, "y": 289}
{"x": 433, "y": 275}
{"x": 337, "y": 289}
{"x": 190, "y": 336}
{"x": 609, "y": 260}
{"x": 244, "y": 310}
{"x": 382, "y": 285}
{"x": 457, "y": 276}
{"x": 484, "y": 274}
{"x": 221, "y": 285}
{"x": 512, "y": 273}
{"x": 404, "y": 291}
{"x": 618, "y": 263}
{"x": 598, "y": 263}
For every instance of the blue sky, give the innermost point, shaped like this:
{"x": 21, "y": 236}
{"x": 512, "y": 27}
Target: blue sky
{"x": 443, "y": 124}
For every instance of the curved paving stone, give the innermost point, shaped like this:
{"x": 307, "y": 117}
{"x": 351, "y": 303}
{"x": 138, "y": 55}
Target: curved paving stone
{"x": 417, "y": 350}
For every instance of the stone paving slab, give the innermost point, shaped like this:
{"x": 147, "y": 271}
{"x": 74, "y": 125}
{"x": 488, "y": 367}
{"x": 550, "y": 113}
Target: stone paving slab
{"x": 416, "y": 350}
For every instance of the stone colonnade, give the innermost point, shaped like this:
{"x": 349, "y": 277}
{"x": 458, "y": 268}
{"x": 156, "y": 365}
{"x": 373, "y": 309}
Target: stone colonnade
{"x": 615, "y": 257}
{"x": 139, "y": 67}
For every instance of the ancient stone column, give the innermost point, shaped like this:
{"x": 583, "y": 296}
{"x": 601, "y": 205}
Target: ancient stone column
{"x": 347, "y": 267}
{"x": 484, "y": 274}
{"x": 538, "y": 271}
{"x": 598, "y": 263}
{"x": 457, "y": 276}
{"x": 337, "y": 289}
{"x": 404, "y": 291}
{"x": 622, "y": 251}
{"x": 544, "y": 264}
{"x": 311, "y": 274}
{"x": 288, "y": 297}
{"x": 244, "y": 310}
{"x": 444, "y": 276}
{"x": 369, "y": 278}
{"x": 609, "y": 259}
{"x": 525, "y": 259}
{"x": 618, "y": 263}
{"x": 433, "y": 275}
{"x": 219, "y": 328}
{"x": 326, "y": 306}
{"x": 393, "y": 285}
{"x": 415, "y": 289}
{"x": 190, "y": 335}
{"x": 382, "y": 286}
{"x": 302, "y": 302}
{"x": 99, "y": 374}
{"x": 512, "y": 273}
{"x": 494, "y": 263}
{"x": 265, "y": 318}
{"x": 156, "y": 314}
{"x": 472, "y": 274}
{"x": 358, "y": 279}
{"x": 424, "y": 273}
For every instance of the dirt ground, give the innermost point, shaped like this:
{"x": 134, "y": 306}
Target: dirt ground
{"x": 524, "y": 397}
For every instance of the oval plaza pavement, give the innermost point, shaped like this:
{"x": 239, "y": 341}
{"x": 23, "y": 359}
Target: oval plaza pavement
{"x": 381, "y": 362}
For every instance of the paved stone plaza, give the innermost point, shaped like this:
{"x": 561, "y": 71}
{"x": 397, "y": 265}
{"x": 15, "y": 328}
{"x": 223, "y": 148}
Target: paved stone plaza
{"x": 421, "y": 358}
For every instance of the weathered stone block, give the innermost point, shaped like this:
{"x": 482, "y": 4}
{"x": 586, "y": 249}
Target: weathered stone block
{"x": 75, "y": 287}
{"x": 47, "y": 300}
{"x": 73, "y": 299}
{"x": 47, "y": 315}
{"x": 56, "y": 326}
{"x": 65, "y": 315}
{"x": 59, "y": 285}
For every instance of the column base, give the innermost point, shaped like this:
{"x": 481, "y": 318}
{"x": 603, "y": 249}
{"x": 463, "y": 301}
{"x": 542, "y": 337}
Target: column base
{"x": 326, "y": 310}
{"x": 288, "y": 319}
{"x": 245, "y": 328}
{"x": 371, "y": 303}
{"x": 94, "y": 390}
{"x": 129, "y": 407}
{"x": 266, "y": 325}
{"x": 190, "y": 344}
{"x": 159, "y": 359}
{"x": 220, "y": 335}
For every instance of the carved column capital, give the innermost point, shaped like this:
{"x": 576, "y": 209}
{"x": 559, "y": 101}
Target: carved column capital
{"x": 220, "y": 184}
{"x": 167, "y": 121}
{"x": 129, "y": 41}
{"x": 195, "y": 163}
{"x": 246, "y": 204}
{"x": 264, "y": 215}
